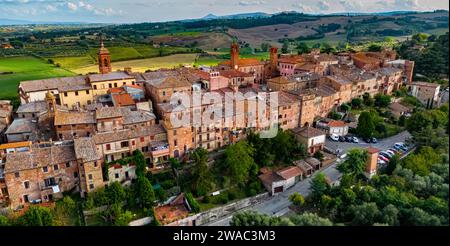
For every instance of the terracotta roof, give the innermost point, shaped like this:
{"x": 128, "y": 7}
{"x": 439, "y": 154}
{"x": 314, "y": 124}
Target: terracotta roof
{"x": 312, "y": 161}
{"x": 281, "y": 80}
{"x": 127, "y": 134}
{"x": 366, "y": 57}
{"x": 397, "y": 107}
{"x": 291, "y": 59}
{"x": 62, "y": 84}
{"x": 244, "y": 62}
{"x": 39, "y": 157}
{"x": 133, "y": 86}
{"x": 16, "y": 145}
{"x": 108, "y": 112}
{"x": 21, "y": 126}
{"x": 308, "y": 132}
{"x": 289, "y": 172}
{"x": 372, "y": 150}
{"x": 166, "y": 79}
{"x": 233, "y": 73}
{"x": 285, "y": 99}
{"x": 270, "y": 177}
{"x": 336, "y": 123}
{"x": 73, "y": 118}
{"x": 116, "y": 90}
{"x": 123, "y": 99}
{"x": 426, "y": 84}
{"x": 86, "y": 150}
{"x": 120, "y": 75}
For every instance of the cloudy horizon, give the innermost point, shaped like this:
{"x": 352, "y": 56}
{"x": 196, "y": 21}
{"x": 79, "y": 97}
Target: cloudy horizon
{"x": 133, "y": 11}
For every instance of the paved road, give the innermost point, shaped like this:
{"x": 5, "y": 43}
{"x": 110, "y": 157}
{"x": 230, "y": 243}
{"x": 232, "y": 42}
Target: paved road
{"x": 279, "y": 205}
{"x": 383, "y": 144}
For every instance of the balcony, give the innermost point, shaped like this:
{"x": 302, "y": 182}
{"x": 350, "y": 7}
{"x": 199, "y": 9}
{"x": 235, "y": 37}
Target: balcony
{"x": 159, "y": 149}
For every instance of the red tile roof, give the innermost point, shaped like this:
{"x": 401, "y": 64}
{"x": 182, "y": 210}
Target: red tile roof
{"x": 336, "y": 123}
{"x": 124, "y": 99}
{"x": 290, "y": 172}
{"x": 233, "y": 74}
{"x": 372, "y": 150}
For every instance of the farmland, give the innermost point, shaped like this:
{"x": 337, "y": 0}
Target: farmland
{"x": 141, "y": 65}
{"x": 16, "y": 69}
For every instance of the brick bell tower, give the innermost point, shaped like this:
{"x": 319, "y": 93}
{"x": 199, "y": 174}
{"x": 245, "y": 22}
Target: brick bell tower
{"x": 234, "y": 52}
{"x": 104, "y": 59}
{"x": 274, "y": 56}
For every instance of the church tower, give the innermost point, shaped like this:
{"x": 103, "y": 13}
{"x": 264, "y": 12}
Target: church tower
{"x": 104, "y": 59}
{"x": 234, "y": 52}
{"x": 50, "y": 100}
{"x": 274, "y": 56}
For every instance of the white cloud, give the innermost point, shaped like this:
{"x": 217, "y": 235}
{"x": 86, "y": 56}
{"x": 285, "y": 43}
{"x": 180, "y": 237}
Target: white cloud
{"x": 252, "y": 3}
{"x": 323, "y": 5}
{"x": 51, "y": 8}
{"x": 407, "y": 4}
{"x": 303, "y": 8}
{"x": 72, "y": 6}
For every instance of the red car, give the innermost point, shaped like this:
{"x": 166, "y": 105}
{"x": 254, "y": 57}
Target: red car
{"x": 383, "y": 158}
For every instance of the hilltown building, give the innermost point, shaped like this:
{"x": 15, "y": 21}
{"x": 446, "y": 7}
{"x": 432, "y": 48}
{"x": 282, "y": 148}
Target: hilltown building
{"x": 77, "y": 124}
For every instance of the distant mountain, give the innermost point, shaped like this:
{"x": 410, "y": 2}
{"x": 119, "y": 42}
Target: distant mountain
{"x": 6, "y": 22}
{"x": 10, "y": 22}
{"x": 236, "y": 16}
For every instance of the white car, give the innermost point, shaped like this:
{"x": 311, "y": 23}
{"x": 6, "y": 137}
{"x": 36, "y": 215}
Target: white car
{"x": 355, "y": 140}
{"x": 334, "y": 137}
{"x": 381, "y": 162}
{"x": 390, "y": 152}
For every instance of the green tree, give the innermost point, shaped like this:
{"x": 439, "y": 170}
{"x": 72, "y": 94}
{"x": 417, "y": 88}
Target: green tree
{"x": 389, "y": 215}
{"x": 303, "y": 48}
{"x": 115, "y": 193}
{"x": 319, "y": 186}
{"x": 283, "y": 145}
{"x": 365, "y": 214}
{"x": 37, "y": 216}
{"x": 418, "y": 217}
{"x": 382, "y": 100}
{"x": 374, "y": 48}
{"x": 356, "y": 102}
{"x": 310, "y": 219}
{"x": 139, "y": 160}
{"x": 252, "y": 218}
{"x": 123, "y": 219}
{"x": 297, "y": 199}
{"x": 345, "y": 107}
{"x": 368, "y": 100}
{"x": 285, "y": 47}
{"x": 265, "y": 47}
{"x": 202, "y": 176}
{"x": 319, "y": 155}
{"x": 392, "y": 164}
{"x": 174, "y": 163}
{"x": 4, "y": 221}
{"x": 193, "y": 203}
{"x": 145, "y": 192}
{"x": 355, "y": 163}
{"x": 239, "y": 161}
{"x": 402, "y": 120}
{"x": 366, "y": 126}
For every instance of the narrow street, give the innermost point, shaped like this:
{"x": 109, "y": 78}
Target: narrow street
{"x": 279, "y": 205}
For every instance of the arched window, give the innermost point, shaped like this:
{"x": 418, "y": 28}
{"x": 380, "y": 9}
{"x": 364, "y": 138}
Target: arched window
{"x": 105, "y": 62}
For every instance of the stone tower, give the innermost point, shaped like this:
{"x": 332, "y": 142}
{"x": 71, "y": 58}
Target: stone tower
{"x": 51, "y": 103}
{"x": 371, "y": 163}
{"x": 234, "y": 52}
{"x": 273, "y": 56}
{"x": 104, "y": 59}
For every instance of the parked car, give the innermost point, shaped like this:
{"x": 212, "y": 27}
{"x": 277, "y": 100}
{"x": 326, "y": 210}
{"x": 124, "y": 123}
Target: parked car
{"x": 383, "y": 158}
{"x": 385, "y": 154}
{"x": 396, "y": 151}
{"x": 348, "y": 139}
{"x": 401, "y": 146}
{"x": 355, "y": 140}
{"x": 392, "y": 153}
{"x": 341, "y": 139}
{"x": 367, "y": 140}
{"x": 374, "y": 140}
{"x": 334, "y": 137}
{"x": 381, "y": 162}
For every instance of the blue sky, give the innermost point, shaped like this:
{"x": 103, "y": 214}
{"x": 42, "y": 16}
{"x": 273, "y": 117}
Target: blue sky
{"x": 122, "y": 11}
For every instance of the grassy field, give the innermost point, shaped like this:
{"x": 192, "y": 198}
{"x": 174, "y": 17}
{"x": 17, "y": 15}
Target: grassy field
{"x": 141, "y": 65}
{"x": 74, "y": 62}
{"x": 25, "y": 68}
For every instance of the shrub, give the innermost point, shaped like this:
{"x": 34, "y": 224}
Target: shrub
{"x": 193, "y": 203}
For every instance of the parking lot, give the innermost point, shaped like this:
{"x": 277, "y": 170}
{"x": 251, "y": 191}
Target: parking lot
{"x": 383, "y": 144}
